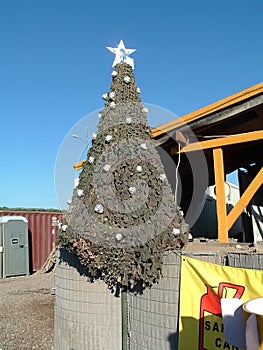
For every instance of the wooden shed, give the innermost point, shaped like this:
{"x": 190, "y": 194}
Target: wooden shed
{"x": 229, "y": 133}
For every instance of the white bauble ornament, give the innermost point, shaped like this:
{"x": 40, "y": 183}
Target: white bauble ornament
{"x": 80, "y": 192}
{"x": 139, "y": 168}
{"x": 114, "y": 73}
{"x": 138, "y": 90}
{"x": 132, "y": 190}
{"x": 93, "y": 136}
{"x": 112, "y": 95}
{"x": 91, "y": 160}
{"x": 106, "y": 167}
{"x": 76, "y": 181}
{"x": 118, "y": 237}
{"x": 128, "y": 120}
{"x": 127, "y": 79}
{"x": 162, "y": 177}
{"x": 64, "y": 228}
{"x": 176, "y": 232}
{"x": 145, "y": 110}
{"x": 105, "y": 96}
{"x": 99, "y": 115}
{"x": 144, "y": 146}
{"x": 112, "y": 104}
{"x": 108, "y": 138}
{"x": 99, "y": 208}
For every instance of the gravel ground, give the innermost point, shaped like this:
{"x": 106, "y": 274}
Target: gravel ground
{"x": 27, "y": 312}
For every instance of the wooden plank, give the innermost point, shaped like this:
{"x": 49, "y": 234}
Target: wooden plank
{"x": 221, "y": 141}
{"x": 79, "y": 165}
{"x": 214, "y": 143}
{"x": 245, "y": 199}
{"x": 220, "y": 195}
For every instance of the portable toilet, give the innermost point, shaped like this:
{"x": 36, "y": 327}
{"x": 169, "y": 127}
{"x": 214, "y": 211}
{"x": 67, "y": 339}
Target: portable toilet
{"x": 14, "y": 247}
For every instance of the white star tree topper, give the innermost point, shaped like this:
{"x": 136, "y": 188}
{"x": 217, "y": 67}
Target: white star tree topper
{"x": 122, "y": 54}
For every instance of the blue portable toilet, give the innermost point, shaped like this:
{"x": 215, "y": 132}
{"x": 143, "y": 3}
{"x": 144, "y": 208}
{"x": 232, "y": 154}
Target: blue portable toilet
{"x": 14, "y": 247}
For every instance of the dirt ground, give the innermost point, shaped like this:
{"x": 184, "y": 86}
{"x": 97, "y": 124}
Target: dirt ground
{"x": 27, "y": 312}
{"x": 27, "y": 303}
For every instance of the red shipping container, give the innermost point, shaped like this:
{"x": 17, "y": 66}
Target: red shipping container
{"x": 42, "y": 227}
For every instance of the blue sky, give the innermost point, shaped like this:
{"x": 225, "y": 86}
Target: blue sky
{"x": 54, "y": 68}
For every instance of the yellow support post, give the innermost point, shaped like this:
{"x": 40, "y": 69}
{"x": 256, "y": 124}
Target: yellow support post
{"x": 220, "y": 195}
{"x": 245, "y": 199}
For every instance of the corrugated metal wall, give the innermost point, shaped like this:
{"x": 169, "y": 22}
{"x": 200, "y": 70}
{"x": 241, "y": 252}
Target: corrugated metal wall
{"x": 206, "y": 224}
{"x": 245, "y": 260}
{"x": 42, "y": 234}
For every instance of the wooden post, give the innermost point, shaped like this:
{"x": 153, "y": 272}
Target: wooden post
{"x": 124, "y": 316}
{"x": 220, "y": 195}
{"x": 245, "y": 199}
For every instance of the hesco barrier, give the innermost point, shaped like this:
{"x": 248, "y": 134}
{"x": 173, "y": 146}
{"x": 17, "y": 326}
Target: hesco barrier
{"x": 88, "y": 316}
{"x": 42, "y": 227}
{"x": 153, "y": 316}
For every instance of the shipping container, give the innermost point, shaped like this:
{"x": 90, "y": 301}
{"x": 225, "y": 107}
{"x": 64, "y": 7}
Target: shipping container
{"x": 42, "y": 231}
{"x": 206, "y": 225}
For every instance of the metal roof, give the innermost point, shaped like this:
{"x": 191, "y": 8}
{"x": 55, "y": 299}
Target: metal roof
{"x": 217, "y": 106}
{"x": 4, "y": 219}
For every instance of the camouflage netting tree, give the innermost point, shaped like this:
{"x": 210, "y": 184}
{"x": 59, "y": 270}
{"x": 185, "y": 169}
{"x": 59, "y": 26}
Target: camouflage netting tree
{"x": 123, "y": 217}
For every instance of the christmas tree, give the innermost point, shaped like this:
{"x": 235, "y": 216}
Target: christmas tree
{"x": 123, "y": 216}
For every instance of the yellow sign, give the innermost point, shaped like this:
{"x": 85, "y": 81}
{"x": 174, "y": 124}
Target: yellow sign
{"x": 202, "y": 286}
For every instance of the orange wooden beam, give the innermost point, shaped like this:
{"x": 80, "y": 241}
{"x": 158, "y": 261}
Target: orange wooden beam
{"x": 79, "y": 165}
{"x": 220, "y": 195}
{"x": 220, "y": 142}
{"x": 214, "y": 143}
{"x": 245, "y": 199}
